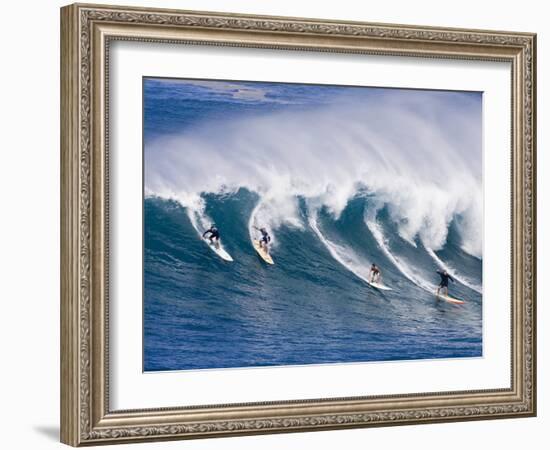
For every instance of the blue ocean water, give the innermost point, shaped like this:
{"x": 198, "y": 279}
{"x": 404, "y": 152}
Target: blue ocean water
{"x": 313, "y": 305}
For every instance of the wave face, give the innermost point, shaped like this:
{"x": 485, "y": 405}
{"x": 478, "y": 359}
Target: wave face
{"x": 313, "y": 306}
{"x": 390, "y": 177}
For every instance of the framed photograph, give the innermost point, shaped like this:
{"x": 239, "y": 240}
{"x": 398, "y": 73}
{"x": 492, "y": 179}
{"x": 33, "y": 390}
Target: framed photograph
{"x": 275, "y": 224}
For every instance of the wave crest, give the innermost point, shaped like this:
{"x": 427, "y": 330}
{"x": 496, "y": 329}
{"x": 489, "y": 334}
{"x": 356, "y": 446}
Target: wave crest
{"x": 420, "y": 159}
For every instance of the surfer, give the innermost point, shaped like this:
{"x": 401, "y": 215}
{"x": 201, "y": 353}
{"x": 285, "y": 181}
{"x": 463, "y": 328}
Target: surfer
{"x": 214, "y": 234}
{"x": 444, "y": 284}
{"x": 265, "y": 240}
{"x": 374, "y": 273}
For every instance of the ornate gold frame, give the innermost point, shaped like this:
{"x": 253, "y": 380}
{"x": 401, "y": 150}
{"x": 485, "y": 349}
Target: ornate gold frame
{"x": 86, "y": 31}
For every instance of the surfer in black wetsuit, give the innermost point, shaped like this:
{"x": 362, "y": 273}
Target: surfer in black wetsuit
{"x": 445, "y": 277}
{"x": 265, "y": 240}
{"x": 214, "y": 234}
{"x": 374, "y": 273}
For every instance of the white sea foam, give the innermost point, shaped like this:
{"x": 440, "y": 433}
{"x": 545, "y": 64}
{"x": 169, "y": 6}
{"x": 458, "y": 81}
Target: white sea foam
{"x": 344, "y": 255}
{"x": 409, "y": 273}
{"x": 270, "y": 213}
{"x": 199, "y": 219}
{"x": 453, "y": 272}
{"x": 421, "y": 159}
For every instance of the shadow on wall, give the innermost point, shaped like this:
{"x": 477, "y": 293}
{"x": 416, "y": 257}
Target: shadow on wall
{"x": 51, "y": 432}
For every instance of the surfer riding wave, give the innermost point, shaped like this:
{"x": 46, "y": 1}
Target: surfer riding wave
{"x": 444, "y": 284}
{"x": 265, "y": 239}
{"x": 214, "y": 235}
{"x": 374, "y": 274}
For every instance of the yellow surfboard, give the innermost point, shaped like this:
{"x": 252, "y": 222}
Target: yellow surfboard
{"x": 448, "y": 299}
{"x": 263, "y": 254}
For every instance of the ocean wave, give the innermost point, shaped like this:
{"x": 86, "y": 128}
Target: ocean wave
{"x": 454, "y": 273}
{"x": 400, "y": 152}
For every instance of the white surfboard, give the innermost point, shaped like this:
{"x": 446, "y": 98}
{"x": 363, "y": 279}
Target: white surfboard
{"x": 380, "y": 286}
{"x": 218, "y": 249}
{"x": 448, "y": 299}
{"x": 263, "y": 254}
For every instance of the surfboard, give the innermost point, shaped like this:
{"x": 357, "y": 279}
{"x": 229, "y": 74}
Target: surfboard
{"x": 263, "y": 254}
{"x": 380, "y": 286}
{"x": 456, "y": 301}
{"x": 219, "y": 250}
